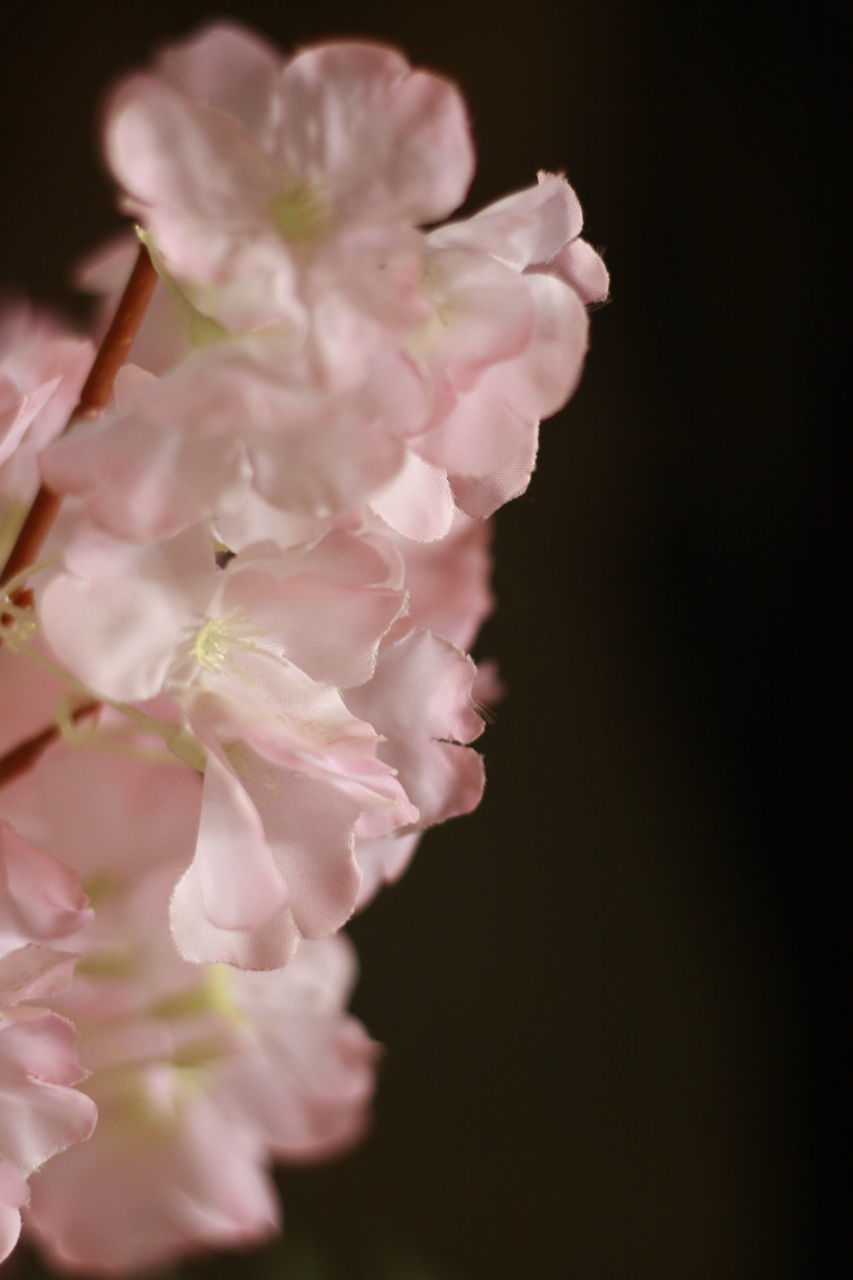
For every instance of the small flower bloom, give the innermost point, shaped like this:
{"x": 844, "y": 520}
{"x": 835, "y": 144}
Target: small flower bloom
{"x": 40, "y": 1113}
{"x": 201, "y": 1074}
{"x": 344, "y": 146}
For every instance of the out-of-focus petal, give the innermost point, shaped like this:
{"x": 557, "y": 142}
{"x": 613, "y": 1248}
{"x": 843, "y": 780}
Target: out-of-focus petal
{"x": 194, "y": 175}
{"x": 40, "y": 1114}
{"x": 40, "y": 898}
{"x": 163, "y": 1175}
{"x": 227, "y": 67}
{"x": 383, "y": 140}
{"x": 14, "y": 1193}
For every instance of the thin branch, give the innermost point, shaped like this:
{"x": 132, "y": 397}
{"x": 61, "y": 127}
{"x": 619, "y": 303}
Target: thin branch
{"x": 26, "y": 753}
{"x": 94, "y": 397}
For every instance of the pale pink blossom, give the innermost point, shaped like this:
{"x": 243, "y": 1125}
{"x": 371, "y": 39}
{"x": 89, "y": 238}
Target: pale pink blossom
{"x": 420, "y": 701}
{"x": 448, "y": 582}
{"x": 40, "y": 1113}
{"x": 536, "y": 230}
{"x": 164, "y": 1175}
{"x": 40, "y": 898}
{"x": 133, "y": 620}
{"x": 14, "y": 1194}
{"x": 382, "y": 861}
{"x": 333, "y": 158}
{"x": 297, "y": 779}
{"x": 106, "y": 807}
{"x": 271, "y": 559}
{"x": 487, "y": 438}
{"x": 201, "y": 1075}
{"x": 42, "y": 368}
{"x": 249, "y": 413}
{"x": 255, "y": 655}
{"x": 227, "y": 67}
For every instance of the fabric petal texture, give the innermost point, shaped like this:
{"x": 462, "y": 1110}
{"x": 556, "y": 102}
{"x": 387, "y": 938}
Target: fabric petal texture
{"x": 235, "y": 687}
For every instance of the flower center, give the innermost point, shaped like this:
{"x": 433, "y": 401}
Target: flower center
{"x": 213, "y": 994}
{"x": 218, "y": 638}
{"x": 300, "y": 214}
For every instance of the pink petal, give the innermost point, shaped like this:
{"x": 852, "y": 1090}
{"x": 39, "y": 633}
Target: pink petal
{"x": 385, "y": 141}
{"x": 481, "y": 496}
{"x": 529, "y": 226}
{"x": 420, "y": 700}
{"x": 34, "y": 973}
{"x": 227, "y": 67}
{"x": 40, "y": 1114}
{"x": 14, "y": 1193}
{"x": 40, "y": 898}
{"x": 13, "y": 425}
{"x": 306, "y": 1081}
{"x": 121, "y": 613}
{"x": 481, "y": 434}
{"x": 137, "y": 813}
{"x": 29, "y": 696}
{"x": 309, "y": 826}
{"x": 330, "y": 630}
{"x": 327, "y": 467}
{"x": 267, "y": 946}
{"x": 580, "y": 266}
{"x": 141, "y": 481}
{"x": 482, "y": 314}
{"x": 240, "y": 886}
{"x": 193, "y": 175}
{"x": 542, "y": 379}
{"x": 382, "y": 862}
{"x": 182, "y": 1182}
{"x": 448, "y": 583}
{"x": 418, "y": 502}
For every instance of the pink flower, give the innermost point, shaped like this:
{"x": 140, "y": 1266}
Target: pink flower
{"x": 420, "y": 701}
{"x": 201, "y": 1075}
{"x": 255, "y": 656}
{"x": 271, "y": 558}
{"x": 284, "y": 798}
{"x": 448, "y": 583}
{"x": 247, "y": 414}
{"x": 179, "y": 1161}
{"x": 245, "y": 188}
{"x": 487, "y": 438}
{"x": 40, "y": 1113}
{"x": 40, "y": 899}
{"x": 42, "y": 367}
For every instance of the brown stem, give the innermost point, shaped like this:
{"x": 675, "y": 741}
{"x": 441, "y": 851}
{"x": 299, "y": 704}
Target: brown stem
{"x": 25, "y": 754}
{"x": 95, "y": 395}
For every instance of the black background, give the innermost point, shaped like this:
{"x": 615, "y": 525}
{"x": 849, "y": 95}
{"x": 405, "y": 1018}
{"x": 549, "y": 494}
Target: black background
{"x": 602, "y": 995}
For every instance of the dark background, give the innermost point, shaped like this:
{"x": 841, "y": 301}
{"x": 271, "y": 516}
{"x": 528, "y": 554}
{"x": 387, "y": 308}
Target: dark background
{"x": 603, "y": 995}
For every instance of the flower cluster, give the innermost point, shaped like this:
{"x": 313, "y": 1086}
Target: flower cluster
{"x": 249, "y": 624}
